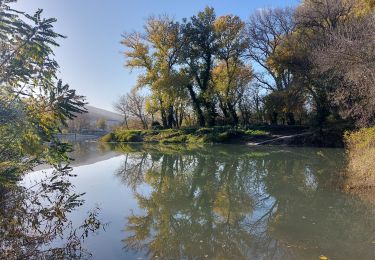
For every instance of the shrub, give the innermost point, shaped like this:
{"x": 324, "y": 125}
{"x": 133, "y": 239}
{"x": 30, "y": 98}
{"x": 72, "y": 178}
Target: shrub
{"x": 222, "y": 128}
{"x": 155, "y": 125}
{"x": 362, "y": 139}
{"x": 176, "y": 139}
{"x": 255, "y": 132}
{"x": 108, "y": 138}
{"x": 204, "y": 130}
{"x": 129, "y": 136}
{"x": 361, "y": 158}
{"x": 222, "y": 137}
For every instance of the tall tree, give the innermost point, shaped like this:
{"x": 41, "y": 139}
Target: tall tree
{"x": 157, "y": 53}
{"x": 267, "y": 29}
{"x": 136, "y": 107}
{"x": 122, "y": 106}
{"x": 198, "y": 53}
{"x": 315, "y": 22}
{"x": 347, "y": 58}
{"x": 231, "y": 76}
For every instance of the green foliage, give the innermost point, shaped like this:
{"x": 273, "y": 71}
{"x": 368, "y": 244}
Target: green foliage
{"x": 177, "y": 75}
{"x": 155, "y": 125}
{"x": 256, "y": 132}
{"x": 33, "y": 103}
{"x": 108, "y": 138}
{"x": 166, "y": 136}
{"x": 128, "y": 136}
{"x": 175, "y": 139}
{"x": 204, "y": 130}
{"x": 199, "y": 70}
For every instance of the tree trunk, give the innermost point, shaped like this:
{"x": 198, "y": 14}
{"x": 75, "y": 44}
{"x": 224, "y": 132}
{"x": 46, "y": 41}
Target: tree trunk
{"x": 290, "y": 118}
{"x": 210, "y": 113}
{"x": 163, "y": 118}
{"x": 224, "y": 110}
{"x": 196, "y": 106}
{"x": 170, "y": 117}
{"x": 233, "y": 113}
{"x": 144, "y": 122}
{"x": 126, "y": 122}
{"x": 274, "y": 118}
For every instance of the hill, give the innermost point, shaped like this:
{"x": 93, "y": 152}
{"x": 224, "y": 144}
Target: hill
{"x": 95, "y": 113}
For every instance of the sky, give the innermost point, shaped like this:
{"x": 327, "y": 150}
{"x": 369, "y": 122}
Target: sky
{"x": 91, "y": 59}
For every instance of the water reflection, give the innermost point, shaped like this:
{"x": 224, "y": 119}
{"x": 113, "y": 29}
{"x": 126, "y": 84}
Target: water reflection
{"x": 232, "y": 202}
{"x": 34, "y": 219}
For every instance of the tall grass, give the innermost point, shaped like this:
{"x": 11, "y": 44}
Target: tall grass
{"x": 361, "y": 157}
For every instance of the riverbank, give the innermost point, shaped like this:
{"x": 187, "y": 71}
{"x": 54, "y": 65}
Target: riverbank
{"x": 261, "y": 135}
{"x": 360, "y": 146}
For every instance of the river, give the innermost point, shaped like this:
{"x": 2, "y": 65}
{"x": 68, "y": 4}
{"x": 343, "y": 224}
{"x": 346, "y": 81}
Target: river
{"x": 219, "y": 202}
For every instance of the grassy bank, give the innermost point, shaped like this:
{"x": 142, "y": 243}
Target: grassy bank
{"x": 264, "y": 135}
{"x": 201, "y": 135}
{"x": 361, "y": 158}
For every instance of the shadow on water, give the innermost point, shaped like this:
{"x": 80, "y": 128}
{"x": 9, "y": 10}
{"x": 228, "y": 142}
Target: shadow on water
{"x": 236, "y": 202}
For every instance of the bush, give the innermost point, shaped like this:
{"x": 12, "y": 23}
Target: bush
{"x": 256, "y": 132}
{"x": 108, "y": 138}
{"x": 222, "y": 128}
{"x": 361, "y": 158}
{"x": 204, "y": 131}
{"x": 222, "y": 137}
{"x": 155, "y": 125}
{"x": 176, "y": 139}
{"x": 362, "y": 139}
{"x": 129, "y": 136}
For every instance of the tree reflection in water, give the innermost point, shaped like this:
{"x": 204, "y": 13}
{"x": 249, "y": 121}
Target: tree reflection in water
{"x": 34, "y": 221}
{"x": 232, "y": 202}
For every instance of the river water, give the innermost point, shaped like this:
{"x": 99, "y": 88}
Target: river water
{"x": 219, "y": 202}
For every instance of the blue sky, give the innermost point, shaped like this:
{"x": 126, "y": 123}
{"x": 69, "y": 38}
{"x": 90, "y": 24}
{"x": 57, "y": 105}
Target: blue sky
{"x": 90, "y": 58}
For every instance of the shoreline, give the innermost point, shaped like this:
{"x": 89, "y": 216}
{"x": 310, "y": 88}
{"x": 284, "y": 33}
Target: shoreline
{"x": 267, "y": 136}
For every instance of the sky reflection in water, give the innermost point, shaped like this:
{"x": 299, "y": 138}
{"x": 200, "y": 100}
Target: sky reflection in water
{"x": 221, "y": 202}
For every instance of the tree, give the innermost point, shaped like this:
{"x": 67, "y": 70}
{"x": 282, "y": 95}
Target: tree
{"x": 317, "y": 23}
{"x": 323, "y": 15}
{"x": 79, "y": 123}
{"x": 136, "y": 107}
{"x": 178, "y": 63}
{"x": 251, "y": 105}
{"x": 347, "y": 58}
{"x": 122, "y": 106}
{"x": 231, "y": 81}
{"x": 101, "y": 123}
{"x": 157, "y": 52}
{"x": 201, "y": 65}
{"x": 197, "y": 54}
{"x": 231, "y": 76}
{"x": 29, "y": 89}
{"x": 267, "y": 30}
{"x": 34, "y": 104}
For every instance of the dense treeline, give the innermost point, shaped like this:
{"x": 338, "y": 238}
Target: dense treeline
{"x": 313, "y": 64}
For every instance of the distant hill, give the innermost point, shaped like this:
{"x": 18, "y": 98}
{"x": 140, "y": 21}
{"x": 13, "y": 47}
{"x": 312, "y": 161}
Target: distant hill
{"x": 95, "y": 113}
{"x": 88, "y": 122}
